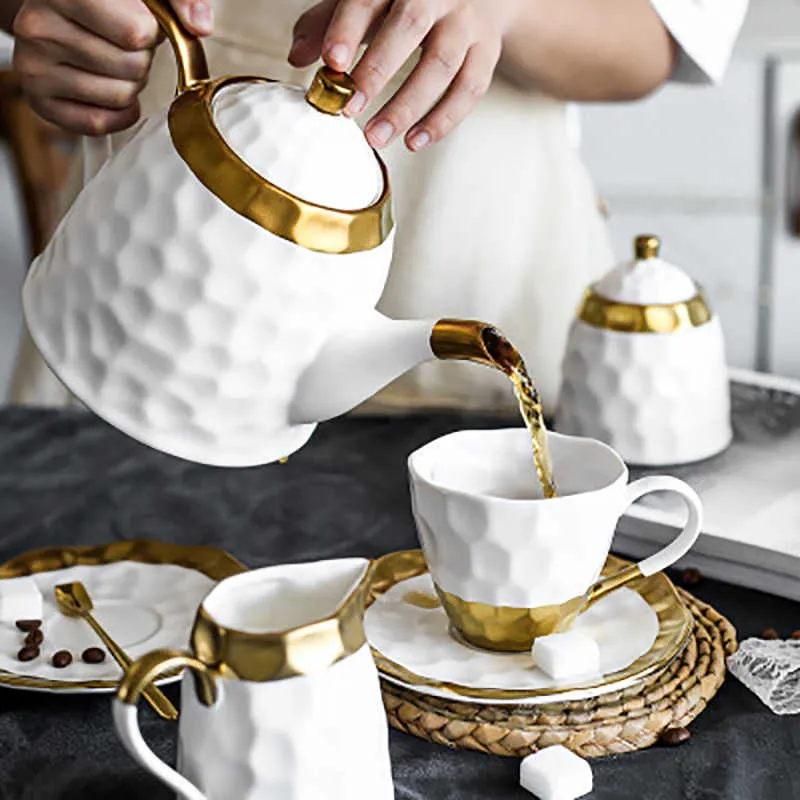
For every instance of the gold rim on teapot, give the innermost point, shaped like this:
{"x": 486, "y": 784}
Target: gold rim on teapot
{"x": 205, "y": 151}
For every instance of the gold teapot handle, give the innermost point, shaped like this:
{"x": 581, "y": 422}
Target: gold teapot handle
{"x": 189, "y": 53}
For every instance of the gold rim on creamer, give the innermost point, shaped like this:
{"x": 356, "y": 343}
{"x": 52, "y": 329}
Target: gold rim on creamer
{"x": 215, "y": 564}
{"x": 675, "y": 625}
{"x": 220, "y": 651}
{"x": 205, "y": 151}
{"x": 600, "y": 312}
{"x": 284, "y": 654}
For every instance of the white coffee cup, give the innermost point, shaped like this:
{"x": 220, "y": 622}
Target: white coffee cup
{"x": 509, "y": 564}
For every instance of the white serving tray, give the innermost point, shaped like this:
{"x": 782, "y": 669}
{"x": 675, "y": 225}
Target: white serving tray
{"x": 751, "y": 495}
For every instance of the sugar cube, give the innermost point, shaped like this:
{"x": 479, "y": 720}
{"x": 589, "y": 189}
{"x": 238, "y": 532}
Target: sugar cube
{"x": 555, "y": 773}
{"x": 20, "y": 598}
{"x": 565, "y": 655}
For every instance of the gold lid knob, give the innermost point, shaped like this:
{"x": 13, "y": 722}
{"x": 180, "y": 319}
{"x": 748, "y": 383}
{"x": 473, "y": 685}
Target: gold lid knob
{"x": 647, "y": 246}
{"x": 330, "y": 91}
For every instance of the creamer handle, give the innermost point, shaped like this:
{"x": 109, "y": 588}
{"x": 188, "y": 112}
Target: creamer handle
{"x": 137, "y": 677}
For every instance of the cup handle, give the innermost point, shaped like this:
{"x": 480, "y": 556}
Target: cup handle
{"x": 189, "y": 53}
{"x": 668, "y": 555}
{"x": 136, "y": 679}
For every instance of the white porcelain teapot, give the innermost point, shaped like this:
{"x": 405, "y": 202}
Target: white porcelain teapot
{"x": 212, "y": 290}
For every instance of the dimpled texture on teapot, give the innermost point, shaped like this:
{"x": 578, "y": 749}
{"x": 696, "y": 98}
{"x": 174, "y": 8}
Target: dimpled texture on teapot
{"x": 179, "y": 321}
{"x": 319, "y": 157}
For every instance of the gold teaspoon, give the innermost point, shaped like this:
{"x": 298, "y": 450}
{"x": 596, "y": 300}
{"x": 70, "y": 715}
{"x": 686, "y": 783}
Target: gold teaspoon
{"x": 74, "y": 601}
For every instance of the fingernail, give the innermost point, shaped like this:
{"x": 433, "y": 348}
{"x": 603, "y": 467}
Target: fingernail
{"x": 297, "y": 44}
{"x": 339, "y": 55}
{"x": 201, "y": 16}
{"x": 380, "y": 133}
{"x": 419, "y": 140}
{"x": 356, "y": 104}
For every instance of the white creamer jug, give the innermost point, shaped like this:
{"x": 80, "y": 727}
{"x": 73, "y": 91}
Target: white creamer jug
{"x": 280, "y": 699}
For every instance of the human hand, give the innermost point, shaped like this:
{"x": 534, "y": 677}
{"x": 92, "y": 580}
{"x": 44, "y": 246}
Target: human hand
{"x": 82, "y": 63}
{"x": 461, "y": 42}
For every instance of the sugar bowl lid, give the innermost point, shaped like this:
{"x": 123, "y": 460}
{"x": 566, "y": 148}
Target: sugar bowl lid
{"x": 645, "y": 295}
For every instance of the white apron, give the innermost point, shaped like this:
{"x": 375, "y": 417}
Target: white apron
{"x": 497, "y": 222}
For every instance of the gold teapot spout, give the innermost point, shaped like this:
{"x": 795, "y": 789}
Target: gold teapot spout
{"x": 479, "y": 342}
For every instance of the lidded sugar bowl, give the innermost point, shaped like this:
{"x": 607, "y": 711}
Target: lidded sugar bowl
{"x": 644, "y": 369}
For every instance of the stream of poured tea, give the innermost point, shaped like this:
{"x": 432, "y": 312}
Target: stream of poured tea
{"x": 508, "y": 359}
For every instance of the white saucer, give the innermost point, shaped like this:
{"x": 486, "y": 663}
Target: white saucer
{"x": 639, "y": 632}
{"x": 142, "y": 605}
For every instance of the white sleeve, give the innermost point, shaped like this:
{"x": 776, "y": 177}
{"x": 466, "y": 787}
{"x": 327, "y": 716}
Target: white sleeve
{"x": 706, "y": 32}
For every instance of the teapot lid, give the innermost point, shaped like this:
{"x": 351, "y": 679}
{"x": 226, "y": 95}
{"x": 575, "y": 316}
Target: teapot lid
{"x": 647, "y": 279}
{"x": 299, "y": 141}
{"x": 283, "y": 158}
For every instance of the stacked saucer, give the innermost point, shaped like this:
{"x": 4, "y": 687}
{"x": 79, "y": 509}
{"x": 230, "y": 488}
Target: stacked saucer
{"x": 662, "y": 658}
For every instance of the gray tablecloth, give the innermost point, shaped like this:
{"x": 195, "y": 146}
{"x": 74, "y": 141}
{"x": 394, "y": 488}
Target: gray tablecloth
{"x": 66, "y": 478}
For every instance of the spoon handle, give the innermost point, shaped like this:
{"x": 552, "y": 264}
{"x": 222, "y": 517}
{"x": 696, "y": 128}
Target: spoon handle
{"x": 157, "y": 699}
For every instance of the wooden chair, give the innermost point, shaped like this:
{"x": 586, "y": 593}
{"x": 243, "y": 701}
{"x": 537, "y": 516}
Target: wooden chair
{"x": 41, "y": 152}
{"x": 41, "y": 155}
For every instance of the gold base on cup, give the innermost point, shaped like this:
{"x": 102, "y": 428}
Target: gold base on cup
{"x": 513, "y": 630}
{"x": 506, "y": 628}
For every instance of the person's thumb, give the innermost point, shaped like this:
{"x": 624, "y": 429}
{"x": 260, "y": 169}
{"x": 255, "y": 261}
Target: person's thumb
{"x": 196, "y": 15}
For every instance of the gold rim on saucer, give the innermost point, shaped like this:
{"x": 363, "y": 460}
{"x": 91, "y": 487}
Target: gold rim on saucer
{"x": 215, "y": 564}
{"x": 675, "y": 626}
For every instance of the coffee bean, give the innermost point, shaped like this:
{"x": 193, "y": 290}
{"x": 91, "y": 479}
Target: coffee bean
{"x": 93, "y": 655}
{"x": 28, "y": 624}
{"x": 28, "y": 653}
{"x": 34, "y": 638}
{"x": 770, "y": 633}
{"x": 795, "y": 635}
{"x": 691, "y": 577}
{"x": 61, "y": 659}
{"x": 674, "y": 736}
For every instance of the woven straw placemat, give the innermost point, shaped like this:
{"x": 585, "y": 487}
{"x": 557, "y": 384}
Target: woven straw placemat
{"x": 619, "y": 722}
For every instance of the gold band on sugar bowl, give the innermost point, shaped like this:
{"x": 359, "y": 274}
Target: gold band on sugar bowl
{"x": 205, "y": 151}
{"x": 600, "y": 312}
